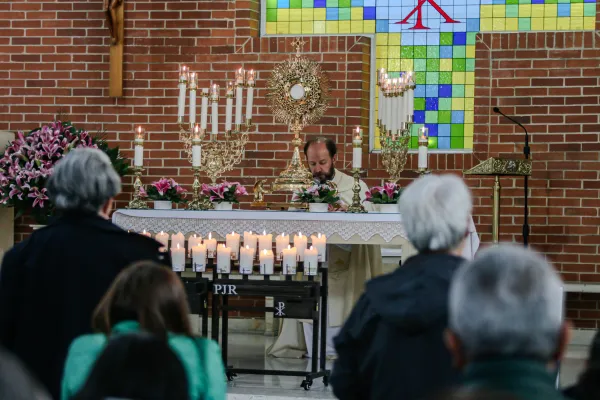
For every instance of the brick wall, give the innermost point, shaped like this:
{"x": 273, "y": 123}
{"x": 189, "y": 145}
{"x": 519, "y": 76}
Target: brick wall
{"x": 54, "y": 55}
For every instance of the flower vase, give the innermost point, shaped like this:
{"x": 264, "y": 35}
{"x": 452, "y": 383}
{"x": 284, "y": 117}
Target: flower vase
{"x": 223, "y": 206}
{"x": 388, "y": 208}
{"x": 162, "y": 205}
{"x": 318, "y": 207}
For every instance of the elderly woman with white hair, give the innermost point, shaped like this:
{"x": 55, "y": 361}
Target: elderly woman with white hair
{"x": 51, "y": 282}
{"x": 391, "y": 346}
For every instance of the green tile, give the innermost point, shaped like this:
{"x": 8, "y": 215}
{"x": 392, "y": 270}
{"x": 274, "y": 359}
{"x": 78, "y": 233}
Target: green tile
{"x": 457, "y": 142}
{"x": 524, "y": 1}
{"x": 459, "y": 51}
{"x": 457, "y": 130}
{"x": 393, "y": 75}
{"x": 431, "y": 117}
{"x": 512, "y": 1}
{"x": 271, "y": 3}
{"x": 332, "y": 3}
{"x": 576, "y": 1}
{"x": 414, "y": 130}
{"x": 308, "y": 3}
{"x": 420, "y": 78}
{"x": 444, "y": 117}
{"x": 407, "y": 52}
{"x": 420, "y": 52}
{"x": 524, "y": 24}
{"x": 458, "y": 65}
{"x": 471, "y": 37}
{"x": 446, "y": 38}
{"x": 414, "y": 142}
{"x": 433, "y": 51}
{"x": 512, "y": 11}
{"x": 445, "y": 77}
{"x": 420, "y": 104}
{"x": 344, "y": 15}
{"x": 419, "y": 64}
{"x": 589, "y": 10}
{"x": 271, "y": 15}
{"x": 470, "y": 65}
{"x": 458, "y": 90}
{"x": 295, "y": 3}
{"x": 551, "y": 2}
{"x": 433, "y": 64}
{"x": 432, "y": 78}
{"x": 445, "y": 104}
{"x": 344, "y": 3}
{"x": 433, "y": 142}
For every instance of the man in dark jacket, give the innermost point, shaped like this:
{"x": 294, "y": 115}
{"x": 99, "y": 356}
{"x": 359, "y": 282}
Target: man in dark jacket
{"x": 391, "y": 346}
{"x": 51, "y": 282}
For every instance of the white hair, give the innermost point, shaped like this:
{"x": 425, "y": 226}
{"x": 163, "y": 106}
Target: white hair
{"x": 435, "y": 212}
{"x": 83, "y": 180}
{"x": 508, "y": 301}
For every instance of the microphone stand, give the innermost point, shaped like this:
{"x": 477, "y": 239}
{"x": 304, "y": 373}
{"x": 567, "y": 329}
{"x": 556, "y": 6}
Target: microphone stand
{"x": 527, "y": 153}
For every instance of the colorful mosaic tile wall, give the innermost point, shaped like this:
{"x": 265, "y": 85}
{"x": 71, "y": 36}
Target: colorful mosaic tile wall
{"x": 434, "y": 38}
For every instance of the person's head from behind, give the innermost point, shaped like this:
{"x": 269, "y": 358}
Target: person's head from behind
{"x": 15, "y": 381}
{"x": 321, "y": 156}
{"x": 508, "y": 303}
{"x": 148, "y": 293}
{"x": 85, "y": 181}
{"x": 136, "y": 366}
{"x": 435, "y": 213}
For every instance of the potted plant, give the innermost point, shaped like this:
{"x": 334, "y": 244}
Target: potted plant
{"x": 319, "y": 197}
{"x": 223, "y": 195}
{"x": 164, "y": 192}
{"x": 385, "y": 196}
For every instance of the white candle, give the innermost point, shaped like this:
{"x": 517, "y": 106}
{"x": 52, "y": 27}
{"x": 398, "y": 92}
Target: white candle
{"x": 311, "y": 261}
{"x": 193, "y": 241}
{"x": 395, "y": 104}
{"x": 289, "y": 262}
{"x": 146, "y": 233}
{"x": 196, "y": 147}
{"x": 162, "y": 238}
{"x": 211, "y": 246}
{"x": 281, "y": 242}
{"x": 246, "y": 260}
{"x": 193, "y": 82}
{"x": 265, "y": 241}
{"x": 178, "y": 239}
{"x": 138, "y": 160}
{"x": 357, "y": 149}
{"x": 232, "y": 241}
{"x": 300, "y": 242}
{"x": 423, "y": 144}
{"x": 380, "y": 105}
{"x": 388, "y": 106}
{"x": 319, "y": 242}
{"x": 183, "y": 76}
{"x": 250, "y": 240}
{"x": 204, "y": 109}
{"x": 178, "y": 258}
{"x": 266, "y": 262}
{"x": 250, "y": 95}
{"x": 215, "y": 110}
{"x": 402, "y": 109}
{"x": 199, "y": 258}
{"x": 229, "y": 108}
{"x": 239, "y": 81}
{"x": 223, "y": 259}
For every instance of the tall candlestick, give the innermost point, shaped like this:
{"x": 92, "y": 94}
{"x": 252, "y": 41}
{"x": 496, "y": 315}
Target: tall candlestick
{"x": 215, "y": 110}
{"x": 246, "y": 260}
{"x": 232, "y": 241}
{"x": 193, "y": 86}
{"x": 204, "y": 110}
{"x": 199, "y": 258}
{"x": 388, "y": 104}
{"x": 311, "y": 261}
{"x": 395, "y": 105}
{"x": 223, "y": 259}
{"x": 300, "y": 242}
{"x": 229, "y": 108}
{"x": 281, "y": 242}
{"x": 266, "y": 262}
{"x": 250, "y": 95}
{"x": 178, "y": 258}
{"x": 183, "y": 78}
{"x": 410, "y": 92}
{"x": 423, "y": 145}
{"x": 289, "y": 261}
{"x": 357, "y": 149}
{"x": 211, "y": 246}
{"x": 319, "y": 242}
{"x": 239, "y": 81}
{"x": 196, "y": 147}
{"x": 138, "y": 160}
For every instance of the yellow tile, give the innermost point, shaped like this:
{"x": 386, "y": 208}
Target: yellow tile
{"x": 332, "y": 27}
{"x": 499, "y": 11}
{"x": 320, "y": 14}
{"x": 381, "y": 39}
{"x": 589, "y": 23}
{"x": 563, "y": 23}
{"x": 550, "y": 24}
{"x": 487, "y": 24}
{"x": 469, "y": 78}
{"x": 524, "y": 10}
{"x": 576, "y": 23}
{"x": 468, "y": 142}
{"x": 469, "y": 117}
{"x": 356, "y": 27}
{"x": 537, "y": 24}
{"x": 382, "y": 51}
{"x": 486, "y": 11}
{"x": 296, "y": 15}
{"x": 468, "y": 128}
{"x": 295, "y": 27}
{"x": 381, "y": 63}
{"x": 470, "y": 104}
{"x": 271, "y": 28}
{"x": 577, "y": 10}
{"x": 537, "y": 10}
{"x": 445, "y": 64}
{"x": 319, "y": 27}
{"x": 393, "y": 65}
{"x": 499, "y": 24}
{"x": 344, "y": 27}
{"x": 407, "y": 64}
{"x": 469, "y": 90}
{"x": 550, "y": 10}
{"x": 512, "y": 24}
{"x": 394, "y": 39}
{"x": 283, "y": 15}
{"x": 458, "y": 78}
{"x": 369, "y": 26}
{"x": 394, "y": 51}
{"x": 307, "y": 27}
{"x": 356, "y": 13}
{"x": 283, "y": 28}
{"x": 470, "y": 51}
{"x": 308, "y": 14}
{"x": 458, "y": 104}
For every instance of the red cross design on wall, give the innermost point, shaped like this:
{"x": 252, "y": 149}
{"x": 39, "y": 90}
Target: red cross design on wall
{"x": 418, "y": 10}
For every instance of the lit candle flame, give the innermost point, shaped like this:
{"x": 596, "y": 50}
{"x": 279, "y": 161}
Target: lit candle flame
{"x": 319, "y": 236}
{"x": 311, "y": 248}
{"x": 177, "y": 246}
{"x": 247, "y": 247}
{"x": 264, "y": 232}
{"x": 265, "y": 251}
{"x": 289, "y": 247}
{"x": 300, "y": 234}
{"x": 209, "y": 235}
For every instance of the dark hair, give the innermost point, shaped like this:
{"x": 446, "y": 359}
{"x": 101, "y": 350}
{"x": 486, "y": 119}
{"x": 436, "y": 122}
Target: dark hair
{"x": 588, "y": 385}
{"x": 15, "y": 381}
{"x": 467, "y": 393}
{"x": 329, "y": 143}
{"x": 137, "y": 366}
{"x": 149, "y": 293}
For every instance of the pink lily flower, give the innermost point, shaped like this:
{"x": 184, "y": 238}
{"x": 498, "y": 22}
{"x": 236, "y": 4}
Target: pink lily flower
{"x": 39, "y": 197}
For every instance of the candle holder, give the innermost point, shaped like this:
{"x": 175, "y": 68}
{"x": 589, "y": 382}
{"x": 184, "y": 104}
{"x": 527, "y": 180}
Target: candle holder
{"x": 356, "y": 206}
{"x": 198, "y": 203}
{"x": 137, "y": 203}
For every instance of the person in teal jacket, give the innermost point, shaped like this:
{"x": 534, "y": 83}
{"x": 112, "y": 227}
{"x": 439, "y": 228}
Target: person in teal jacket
{"x": 151, "y": 298}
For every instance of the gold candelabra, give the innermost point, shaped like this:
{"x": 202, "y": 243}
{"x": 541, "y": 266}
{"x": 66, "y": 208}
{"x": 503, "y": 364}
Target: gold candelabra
{"x": 138, "y": 202}
{"x": 198, "y": 202}
{"x": 356, "y": 206}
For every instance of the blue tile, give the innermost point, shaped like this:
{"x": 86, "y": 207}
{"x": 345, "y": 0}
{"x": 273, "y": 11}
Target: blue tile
{"x": 473, "y": 12}
{"x": 431, "y": 104}
{"x": 419, "y": 117}
{"x": 381, "y": 25}
{"x": 443, "y": 142}
{"x": 499, "y": 2}
{"x": 283, "y": 3}
{"x": 564, "y": 10}
{"x": 433, "y": 129}
{"x": 459, "y": 39}
{"x": 420, "y": 91}
{"x": 473, "y": 25}
{"x": 357, "y": 3}
{"x": 395, "y": 13}
{"x": 458, "y": 117}
{"x": 382, "y": 3}
{"x": 420, "y": 39}
{"x": 382, "y": 13}
{"x": 443, "y": 130}
{"x": 369, "y": 13}
{"x": 332, "y": 14}
{"x": 407, "y": 38}
{"x": 370, "y": 3}
{"x": 537, "y": 1}
{"x": 433, "y": 38}
{"x": 394, "y": 27}
{"x": 445, "y": 91}
{"x": 445, "y": 51}
{"x": 460, "y": 13}
{"x": 431, "y": 90}
{"x": 320, "y": 3}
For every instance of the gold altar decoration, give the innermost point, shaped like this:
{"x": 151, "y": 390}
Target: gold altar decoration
{"x": 137, "y": 203}
{"x": 356, "y": 206}
{"x": 498, "y": 167}
{"x": 298, "y": 95}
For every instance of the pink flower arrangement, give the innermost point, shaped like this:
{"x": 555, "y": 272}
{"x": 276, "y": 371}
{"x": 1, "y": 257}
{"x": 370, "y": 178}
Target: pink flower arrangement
{"x": 389, "y": 193}
{"x": 321, "y": 193}
{"x": 164, "y": 190}
{"x": 224, "y": 192}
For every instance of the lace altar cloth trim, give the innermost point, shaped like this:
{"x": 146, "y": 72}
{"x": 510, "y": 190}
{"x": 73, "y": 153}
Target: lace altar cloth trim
{"x": 387, "y": 230}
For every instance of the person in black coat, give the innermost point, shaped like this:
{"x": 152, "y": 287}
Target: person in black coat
{"x": 588, "y": 384}
{"x": 51, "y": 282}
{"x": 392, "y": 345}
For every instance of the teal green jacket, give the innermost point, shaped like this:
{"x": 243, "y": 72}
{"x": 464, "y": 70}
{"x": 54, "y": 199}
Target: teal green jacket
{"x": 206, "y": 376}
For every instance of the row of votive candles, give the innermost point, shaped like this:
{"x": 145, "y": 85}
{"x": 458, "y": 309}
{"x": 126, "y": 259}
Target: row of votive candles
{"x": 200, "y": 249}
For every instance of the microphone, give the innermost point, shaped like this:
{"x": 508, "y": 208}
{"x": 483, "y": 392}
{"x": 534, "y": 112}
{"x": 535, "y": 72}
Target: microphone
{"x": 526, "y": 149}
